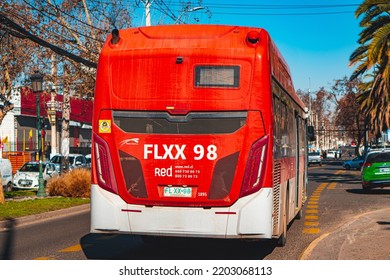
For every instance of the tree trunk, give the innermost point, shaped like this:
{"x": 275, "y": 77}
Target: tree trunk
{"x": 2, "y": 199}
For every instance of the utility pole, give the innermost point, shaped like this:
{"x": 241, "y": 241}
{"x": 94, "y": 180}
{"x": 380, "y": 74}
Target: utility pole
{"x": 317, "y": 144}
{"x": 53, "y": 96}
{"x": 65, "y": 123}
{"x": 148, "y": 21}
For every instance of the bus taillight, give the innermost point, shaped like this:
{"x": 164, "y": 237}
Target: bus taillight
{"x": 104, "y": 170}
{"x": 254, "y": 172}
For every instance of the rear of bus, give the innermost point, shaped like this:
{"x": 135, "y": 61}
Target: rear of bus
{"x": 182, "y": 134}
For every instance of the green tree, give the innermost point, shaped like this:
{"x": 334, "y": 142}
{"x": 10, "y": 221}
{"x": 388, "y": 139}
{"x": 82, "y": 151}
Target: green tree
{"x": 372, "y": 63}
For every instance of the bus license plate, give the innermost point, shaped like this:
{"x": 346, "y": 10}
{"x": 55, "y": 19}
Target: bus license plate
{"x": 384, "y": 170}
{"x": 177, "y": 192}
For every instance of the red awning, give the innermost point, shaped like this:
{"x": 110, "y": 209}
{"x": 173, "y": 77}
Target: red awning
{"x": 80, "y": 109}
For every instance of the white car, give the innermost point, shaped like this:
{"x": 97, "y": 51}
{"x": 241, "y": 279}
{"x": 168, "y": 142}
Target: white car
{"x": 331, "y": 155}
{"x": 26, "y": 178}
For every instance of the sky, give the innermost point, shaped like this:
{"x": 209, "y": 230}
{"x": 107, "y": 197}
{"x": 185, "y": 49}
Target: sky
{"x": 316, "y": 37}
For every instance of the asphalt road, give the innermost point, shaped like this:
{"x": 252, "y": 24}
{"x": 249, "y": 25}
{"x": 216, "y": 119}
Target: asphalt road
{"x": 334, "y": 198}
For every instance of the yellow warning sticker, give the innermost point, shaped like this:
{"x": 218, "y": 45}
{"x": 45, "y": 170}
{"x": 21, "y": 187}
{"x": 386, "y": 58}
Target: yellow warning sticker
{"x": 104, "y": 126}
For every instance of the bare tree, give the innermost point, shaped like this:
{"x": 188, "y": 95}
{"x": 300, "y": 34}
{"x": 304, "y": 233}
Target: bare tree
{"x": 348, "y": 114}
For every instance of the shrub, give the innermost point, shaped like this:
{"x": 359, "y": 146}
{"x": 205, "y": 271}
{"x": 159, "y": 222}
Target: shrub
{"x": 76, "y": 183}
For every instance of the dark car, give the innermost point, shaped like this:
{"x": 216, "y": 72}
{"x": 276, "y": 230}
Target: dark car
{"x": 376, "y": 170}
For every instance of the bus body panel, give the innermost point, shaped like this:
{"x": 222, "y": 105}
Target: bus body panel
{"x": 194, "y": 120}
{"x": 106, "y": 211}
{"x": 249, "y": 217}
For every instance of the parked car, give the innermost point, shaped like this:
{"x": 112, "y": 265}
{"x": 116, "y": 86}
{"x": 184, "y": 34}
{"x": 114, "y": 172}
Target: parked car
{"x": 330, "y": 154}
{"x": 88, "y": 158}
{"x": 314, "y": 158}
{"x": 376, "y": 170}
{"x": 75, "y": 161}
{"x": 355, "y": 163}
{"x": 6, "y": 174}
{"x": 27, "y": 177}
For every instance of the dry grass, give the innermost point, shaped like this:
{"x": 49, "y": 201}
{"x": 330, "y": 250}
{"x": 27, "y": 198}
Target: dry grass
{"x": 76, "y": 183}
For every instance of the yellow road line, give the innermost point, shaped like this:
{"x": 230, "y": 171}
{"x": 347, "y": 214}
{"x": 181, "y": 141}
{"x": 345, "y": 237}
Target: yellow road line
{"x": 44, "y": 258}
{"x": 332, "y": 186}
{"x": 311, "y": 230}
{"x": 312, "y": 206}
{"x": 311, "y": 224}
{"x": 312, "y": 217}
{"x": 74, "y": 248}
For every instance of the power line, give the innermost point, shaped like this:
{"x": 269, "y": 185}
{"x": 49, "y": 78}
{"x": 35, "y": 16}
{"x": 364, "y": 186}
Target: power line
{"x": 59, "y": 23}
{"x": 19, "y": 31}
{"x": 42, "y": 30}
{"x": 283, "y": 14}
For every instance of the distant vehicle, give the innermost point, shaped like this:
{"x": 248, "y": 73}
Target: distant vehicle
{"x": 6, "y": 174}
{"x": 88, "y": 158}
{"x": 355, "y": 163}
{"x": 376, "y": 170}
{"x": 26, "y": 178}
{"x": 314, "y": 158}
{"x": 331, "y": 154}
{"x": 75, "y": 161}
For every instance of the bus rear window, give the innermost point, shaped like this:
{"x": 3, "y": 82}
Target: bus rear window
{"x": 217, "y": 76}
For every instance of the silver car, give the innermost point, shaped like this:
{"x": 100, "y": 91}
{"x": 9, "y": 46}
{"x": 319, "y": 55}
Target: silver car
{"x": 75, "y": 161}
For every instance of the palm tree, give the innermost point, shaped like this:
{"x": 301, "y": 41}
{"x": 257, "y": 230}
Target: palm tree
{"x": 372, "y": 59}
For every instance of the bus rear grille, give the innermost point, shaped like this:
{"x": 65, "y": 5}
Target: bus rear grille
{"x": 193, "y": 123}
{"x": 276, "y": 196}
{"x": 223, "y": 176}
{"x": 134, "y": 178}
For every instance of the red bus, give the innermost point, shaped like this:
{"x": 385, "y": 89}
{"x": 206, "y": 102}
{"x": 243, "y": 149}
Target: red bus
{"x": 197, "y": 131}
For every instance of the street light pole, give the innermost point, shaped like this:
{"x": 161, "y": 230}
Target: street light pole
{"x": 36, "y": 82}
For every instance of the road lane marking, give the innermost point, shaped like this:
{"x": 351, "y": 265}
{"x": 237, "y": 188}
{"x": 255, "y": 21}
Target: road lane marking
{"x": 311, "y": 224}
{"x": 312, "y": 206}
{"x": 311, "y": 217}
{"x": 44, "y": 258}
{"x": 311, "y": 230}
{"x": 332, "y": 186}
{"x": 74, "y": 248}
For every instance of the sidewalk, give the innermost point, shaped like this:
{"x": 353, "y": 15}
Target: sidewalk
{"x": 366, "y": 237}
